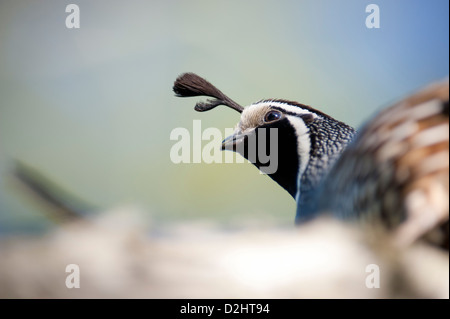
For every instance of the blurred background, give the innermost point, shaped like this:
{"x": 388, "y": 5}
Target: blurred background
{"x": 92, "y": 108}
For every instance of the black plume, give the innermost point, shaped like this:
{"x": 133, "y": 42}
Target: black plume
{"x": 190, "y": 84}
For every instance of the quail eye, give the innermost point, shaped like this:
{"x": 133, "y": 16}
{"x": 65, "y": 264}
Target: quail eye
{"x": 272, "y": 116}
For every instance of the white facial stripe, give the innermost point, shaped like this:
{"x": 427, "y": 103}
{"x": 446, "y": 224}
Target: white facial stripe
{"x": 303, "y": 147}
{"x": 284, "y": 106}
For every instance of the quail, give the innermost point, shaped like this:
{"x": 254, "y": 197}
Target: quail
{"x": 394, "y": 170}
{"x": 397, "y": 169}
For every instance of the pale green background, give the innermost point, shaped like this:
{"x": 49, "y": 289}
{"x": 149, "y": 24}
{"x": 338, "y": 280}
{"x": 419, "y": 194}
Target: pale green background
{"x": 93, "y": 108}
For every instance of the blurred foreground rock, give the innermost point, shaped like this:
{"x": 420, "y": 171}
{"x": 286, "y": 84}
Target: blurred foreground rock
{"x": 120, "y": 255}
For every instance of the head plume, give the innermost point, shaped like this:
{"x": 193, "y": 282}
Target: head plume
{"x": 190, "y": 84}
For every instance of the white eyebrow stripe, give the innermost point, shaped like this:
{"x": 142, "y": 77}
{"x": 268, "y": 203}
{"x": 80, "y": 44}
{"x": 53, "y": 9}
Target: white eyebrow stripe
{"x": 289, "y": 108}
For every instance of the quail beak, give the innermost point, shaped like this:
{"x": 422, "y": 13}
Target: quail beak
{"x": 231, "y": 141}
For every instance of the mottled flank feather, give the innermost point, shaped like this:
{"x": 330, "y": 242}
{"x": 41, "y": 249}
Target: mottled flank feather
{"x": 397, "y": 170}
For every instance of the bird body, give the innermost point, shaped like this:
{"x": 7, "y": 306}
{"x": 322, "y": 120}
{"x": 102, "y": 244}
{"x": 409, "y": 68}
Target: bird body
{"x": 397, "y": 169}
{"x": 394, "y": 171}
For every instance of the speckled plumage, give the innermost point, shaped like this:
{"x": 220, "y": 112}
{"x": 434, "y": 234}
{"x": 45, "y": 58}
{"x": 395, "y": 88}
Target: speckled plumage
{"x": 329, "y": 138}
{"x": 397, "y": 169}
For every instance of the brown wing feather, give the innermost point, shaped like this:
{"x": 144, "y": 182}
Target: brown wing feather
{"x": 397, "y": 169}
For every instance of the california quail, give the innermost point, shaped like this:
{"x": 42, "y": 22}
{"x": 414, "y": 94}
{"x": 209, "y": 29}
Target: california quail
{"x": 394, "y": 170}
{"x": 397, "y": 169}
